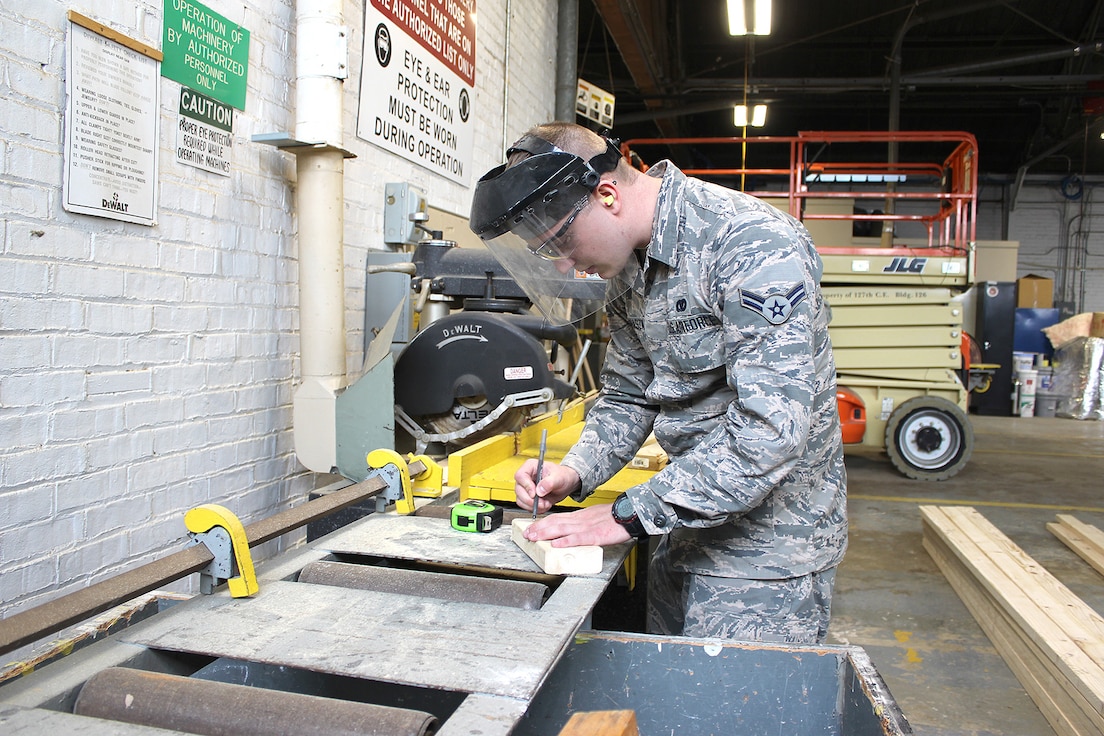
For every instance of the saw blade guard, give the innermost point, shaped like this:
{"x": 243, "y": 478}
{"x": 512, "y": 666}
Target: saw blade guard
{"x": 464, "y": 367}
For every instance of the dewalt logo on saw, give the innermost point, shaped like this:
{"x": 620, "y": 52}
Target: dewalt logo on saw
{"x": 906, "y": 265}
{"x": 461, "y": 331}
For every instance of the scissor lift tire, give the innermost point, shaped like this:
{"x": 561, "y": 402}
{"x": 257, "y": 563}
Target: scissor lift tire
{"x": 929, "y": 438}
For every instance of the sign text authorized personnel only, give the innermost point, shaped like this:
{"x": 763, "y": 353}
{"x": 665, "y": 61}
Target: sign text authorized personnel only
{"x": 205, "y": 51}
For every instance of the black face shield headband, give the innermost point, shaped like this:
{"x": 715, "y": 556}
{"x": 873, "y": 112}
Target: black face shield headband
{"x": 531, "y": 197}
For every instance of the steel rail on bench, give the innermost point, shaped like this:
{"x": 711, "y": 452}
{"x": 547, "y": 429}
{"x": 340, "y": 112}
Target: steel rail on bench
{"x": 45, "y": 619}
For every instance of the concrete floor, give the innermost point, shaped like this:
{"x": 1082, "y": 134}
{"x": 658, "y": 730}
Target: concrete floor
{"x": 892, "y": 600}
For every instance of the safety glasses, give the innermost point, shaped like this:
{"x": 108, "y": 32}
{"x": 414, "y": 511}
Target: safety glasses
{"x": 559, "y": 247}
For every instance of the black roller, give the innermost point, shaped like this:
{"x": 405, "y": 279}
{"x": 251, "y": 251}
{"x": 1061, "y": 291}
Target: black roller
{"x": 222, "y": 709}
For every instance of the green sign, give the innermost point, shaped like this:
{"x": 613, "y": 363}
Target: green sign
{"x": 205, "y": 51}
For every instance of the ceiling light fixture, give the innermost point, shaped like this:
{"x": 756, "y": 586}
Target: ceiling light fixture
{"x": 758, "y": 116}
{"x": 749, "y": 17}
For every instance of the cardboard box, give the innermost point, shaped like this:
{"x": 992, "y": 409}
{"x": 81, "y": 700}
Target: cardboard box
{"x": 1096, "y": 327}
{"x": 996, "y": 260}
{"x": 1034, "y": 292}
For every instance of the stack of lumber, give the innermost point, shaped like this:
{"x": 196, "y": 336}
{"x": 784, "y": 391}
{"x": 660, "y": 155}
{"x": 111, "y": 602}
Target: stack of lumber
{"x": 1050, "y": 639}
{"x": 1084, "y": 539}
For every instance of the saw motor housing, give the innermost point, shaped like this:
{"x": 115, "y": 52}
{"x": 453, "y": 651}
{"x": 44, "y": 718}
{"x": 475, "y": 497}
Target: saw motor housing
{"x": 463, "y": 367}
{"x": 479, "y": 371}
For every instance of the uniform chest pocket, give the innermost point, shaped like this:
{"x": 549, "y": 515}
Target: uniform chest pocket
{"x": 696, "y": 343}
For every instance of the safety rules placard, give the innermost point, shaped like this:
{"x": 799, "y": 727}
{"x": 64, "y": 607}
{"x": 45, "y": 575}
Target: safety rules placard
{"x": 416, "y": 85}
{"x": 111, "y": 124}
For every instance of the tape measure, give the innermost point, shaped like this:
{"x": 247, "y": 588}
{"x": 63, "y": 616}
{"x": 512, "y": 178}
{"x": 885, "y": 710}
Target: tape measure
{"x": 474, "y": 515}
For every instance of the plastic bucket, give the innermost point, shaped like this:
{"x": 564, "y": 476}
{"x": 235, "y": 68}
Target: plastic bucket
{"x": 1046, "y": 381}
{"x": 1046, "y": 405}
{"x": 1023, "y": 362}
{"x": 1028, "y": 383}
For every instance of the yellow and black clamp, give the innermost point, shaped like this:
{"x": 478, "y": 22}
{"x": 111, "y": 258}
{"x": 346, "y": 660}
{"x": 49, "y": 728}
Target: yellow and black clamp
{"x": 390, "y": 467}
{"x": 430, "y": 482}
{"x": 222, "y": 533}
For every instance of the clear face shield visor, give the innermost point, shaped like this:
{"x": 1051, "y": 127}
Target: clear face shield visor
{"x": 525, "y": 213}
{"x": 561, "y": 293}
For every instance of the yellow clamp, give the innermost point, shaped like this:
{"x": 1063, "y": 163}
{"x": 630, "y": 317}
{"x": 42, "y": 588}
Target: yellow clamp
{"x": 430, "y": 482}
{"x": 393, "y": 469}
{"x": 216, "y": 526}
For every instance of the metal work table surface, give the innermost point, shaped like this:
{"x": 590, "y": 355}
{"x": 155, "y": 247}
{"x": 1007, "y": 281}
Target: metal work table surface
{"x": 498, "y": 655}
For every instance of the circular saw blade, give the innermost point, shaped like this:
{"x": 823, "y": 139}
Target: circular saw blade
{"x": 466, "y": 412}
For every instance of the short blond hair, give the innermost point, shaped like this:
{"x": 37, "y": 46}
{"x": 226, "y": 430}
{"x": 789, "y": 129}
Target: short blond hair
{"x": 573, "y": 138}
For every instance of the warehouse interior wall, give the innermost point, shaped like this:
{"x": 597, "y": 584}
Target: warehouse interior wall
{"x": 1061, "y": 234}
{"x": 148, "y": 370}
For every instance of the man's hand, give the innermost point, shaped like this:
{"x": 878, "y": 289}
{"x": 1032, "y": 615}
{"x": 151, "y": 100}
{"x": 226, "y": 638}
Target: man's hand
{"x": 590, "y": 525}
{"x": 558, "y": 482}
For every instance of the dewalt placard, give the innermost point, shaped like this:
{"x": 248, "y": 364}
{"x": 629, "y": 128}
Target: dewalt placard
{"x": 205, "y": 51}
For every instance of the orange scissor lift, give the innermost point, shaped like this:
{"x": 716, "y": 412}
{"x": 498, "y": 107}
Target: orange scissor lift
{"x": 893, "y": 215}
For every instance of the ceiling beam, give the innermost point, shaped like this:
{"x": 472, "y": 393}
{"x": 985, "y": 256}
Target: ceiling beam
{"x": 838, "y": 84}
{"x": 631, "y": 24}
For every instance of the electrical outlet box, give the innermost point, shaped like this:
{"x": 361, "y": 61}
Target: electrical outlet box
{"x": 404, "y": 208}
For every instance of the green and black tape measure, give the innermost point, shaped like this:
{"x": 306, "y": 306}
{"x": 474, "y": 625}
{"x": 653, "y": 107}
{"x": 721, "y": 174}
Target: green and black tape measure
{"x": 474, "y": 515}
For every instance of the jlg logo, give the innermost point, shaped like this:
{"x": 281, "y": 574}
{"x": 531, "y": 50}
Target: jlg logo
{"x": 906, "y": 265}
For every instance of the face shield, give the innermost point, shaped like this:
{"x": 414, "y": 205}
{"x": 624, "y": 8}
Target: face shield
{"x": 525, "y": 214}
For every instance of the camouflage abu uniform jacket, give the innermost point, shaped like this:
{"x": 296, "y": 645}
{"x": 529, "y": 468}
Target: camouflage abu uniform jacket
{"x": 722, "y": 348}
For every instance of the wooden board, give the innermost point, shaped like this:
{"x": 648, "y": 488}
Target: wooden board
{"x": 601, "y": 723}
{"x": 1084, "y": 539}
{"x": 650, "y": 456}
{"x": 585, "y": 560}
{"x": 402, "y": 639}
{"x": 432, "y": 540}
{"x": 1050, "y": 639}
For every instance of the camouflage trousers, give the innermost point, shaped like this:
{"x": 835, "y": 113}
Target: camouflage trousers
{"x": 788, "y": 611}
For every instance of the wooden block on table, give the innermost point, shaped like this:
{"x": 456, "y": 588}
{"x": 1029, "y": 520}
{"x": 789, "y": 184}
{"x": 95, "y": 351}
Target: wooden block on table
{"x": 601, "y": 723}
{"x": 586, "y": 560}
{"x": 650, "y": 456}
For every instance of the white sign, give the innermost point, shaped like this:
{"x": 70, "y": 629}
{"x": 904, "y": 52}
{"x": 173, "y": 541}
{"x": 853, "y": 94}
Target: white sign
{"x": 204, "y": 132}
{"x": 111, "y": 129}
{"x": 418, "y": 80}
{"x": 594, "y": 103}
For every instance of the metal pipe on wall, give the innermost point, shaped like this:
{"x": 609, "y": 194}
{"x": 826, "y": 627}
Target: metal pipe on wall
{"x": 321, "y": 60}
{"x": 506, "y": 140}
{"x": 567, "y": 54}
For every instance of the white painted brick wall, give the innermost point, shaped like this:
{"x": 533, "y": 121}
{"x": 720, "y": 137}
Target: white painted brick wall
{"x": 1048, "y": 224}
{"x": 146, "y": 370}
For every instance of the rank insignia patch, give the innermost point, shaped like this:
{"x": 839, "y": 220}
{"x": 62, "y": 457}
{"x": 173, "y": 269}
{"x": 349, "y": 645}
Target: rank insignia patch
{"x": 775, "y": 308}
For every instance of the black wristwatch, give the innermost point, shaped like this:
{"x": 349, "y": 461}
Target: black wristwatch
{"x": 625, "y": 515}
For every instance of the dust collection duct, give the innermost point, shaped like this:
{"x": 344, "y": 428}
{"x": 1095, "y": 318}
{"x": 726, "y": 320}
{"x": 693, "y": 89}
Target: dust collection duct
{"x": 321, "y": 68}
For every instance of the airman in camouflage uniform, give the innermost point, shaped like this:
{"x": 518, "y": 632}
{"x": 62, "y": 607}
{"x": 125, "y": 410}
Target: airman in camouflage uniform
{"x": 720, "y": 346}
